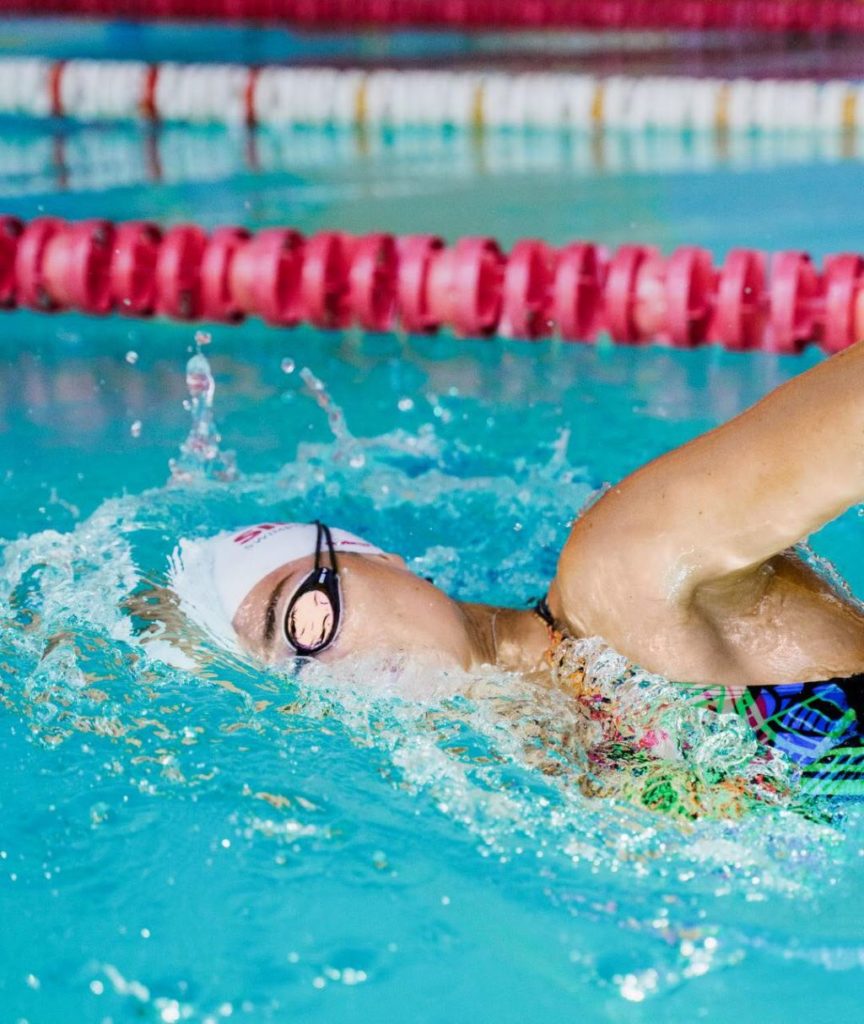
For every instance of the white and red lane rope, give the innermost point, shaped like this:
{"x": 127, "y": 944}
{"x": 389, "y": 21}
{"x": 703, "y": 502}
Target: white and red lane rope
{"x": 105, "y": 90}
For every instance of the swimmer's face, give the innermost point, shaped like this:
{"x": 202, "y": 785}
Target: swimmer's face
{"x": 386, "y": 610}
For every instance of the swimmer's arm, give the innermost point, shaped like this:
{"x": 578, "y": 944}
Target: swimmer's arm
{"x": 734, "y": 497}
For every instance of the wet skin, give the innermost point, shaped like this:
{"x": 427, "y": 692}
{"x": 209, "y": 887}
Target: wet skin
{"x": 685, "y": 567}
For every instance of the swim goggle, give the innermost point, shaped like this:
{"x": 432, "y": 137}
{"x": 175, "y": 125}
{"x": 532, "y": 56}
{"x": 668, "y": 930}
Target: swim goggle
{"x": 323, "y": 581}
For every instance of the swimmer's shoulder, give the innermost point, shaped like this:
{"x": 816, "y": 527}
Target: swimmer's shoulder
{"x": 616, "y": 558}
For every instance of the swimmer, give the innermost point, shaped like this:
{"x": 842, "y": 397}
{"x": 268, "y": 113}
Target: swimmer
{"x": 685, "y": 567}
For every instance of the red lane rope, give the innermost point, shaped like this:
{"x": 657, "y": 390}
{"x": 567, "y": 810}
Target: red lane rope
{"x": 380, "y": 282}
{"x": 770, "y": 15}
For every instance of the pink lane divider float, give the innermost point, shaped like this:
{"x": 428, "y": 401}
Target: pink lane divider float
{"x": 770, "y": 15}
{"x": 379, "y": 282}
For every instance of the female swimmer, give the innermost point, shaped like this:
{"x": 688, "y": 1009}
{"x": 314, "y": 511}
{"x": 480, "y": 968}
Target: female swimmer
{"x": 684, "y": 567}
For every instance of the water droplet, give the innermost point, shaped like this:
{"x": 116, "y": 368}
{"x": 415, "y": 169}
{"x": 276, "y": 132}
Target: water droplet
{"x": 406, "y": 404}
{"x": 203, "y": 338}
{"x": 98, "y": 813}
{"x": 131, "y": 357}
{"x": 170, "y": 1011}
{"x": 135, "y": 429}
{"x": 199, "y": 379}
{"x": 287, "y": 365}
{"x": 200, "y": 453}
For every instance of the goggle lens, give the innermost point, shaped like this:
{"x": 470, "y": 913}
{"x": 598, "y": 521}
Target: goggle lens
{"x": 313, "y": 614}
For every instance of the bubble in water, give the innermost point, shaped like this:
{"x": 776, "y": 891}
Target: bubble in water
{"x": 203, "y": 338}
{"x": 406, "y": 404}
{"x": 634, "y": 987}
{"x": 135, "y": 429}
{"x": 131, "y": 357}
{"x": 287, "y": 365}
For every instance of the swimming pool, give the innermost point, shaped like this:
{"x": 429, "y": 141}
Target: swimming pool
{"x": 220, "y": 844}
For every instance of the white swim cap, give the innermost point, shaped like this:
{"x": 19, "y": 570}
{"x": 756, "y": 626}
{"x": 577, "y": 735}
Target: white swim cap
{"x": 212, "y": 577}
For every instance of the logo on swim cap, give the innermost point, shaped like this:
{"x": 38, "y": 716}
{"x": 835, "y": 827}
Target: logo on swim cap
{"x": 250, "y": 536}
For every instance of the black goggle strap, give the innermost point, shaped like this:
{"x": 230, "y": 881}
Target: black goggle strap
{"x": 325, "y": 530}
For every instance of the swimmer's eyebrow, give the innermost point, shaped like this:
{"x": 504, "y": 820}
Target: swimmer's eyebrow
{"x": 270, "y": 612}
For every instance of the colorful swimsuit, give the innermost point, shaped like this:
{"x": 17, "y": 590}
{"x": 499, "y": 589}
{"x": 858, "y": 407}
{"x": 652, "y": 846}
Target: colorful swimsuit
{"x": 819, "y": 726}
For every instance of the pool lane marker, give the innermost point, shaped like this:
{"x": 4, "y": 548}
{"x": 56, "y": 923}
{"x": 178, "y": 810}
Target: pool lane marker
{"x": 106, "y": 90}
{"x": 621, "y": 16}
{"x": 416, "y": 283}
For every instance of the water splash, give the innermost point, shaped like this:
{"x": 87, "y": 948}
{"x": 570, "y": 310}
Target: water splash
{"x": 661, "y": 745}
{"x": 828, "y": 571}
{"x": 348, "y": 450}
{"x": 200, "y": 457}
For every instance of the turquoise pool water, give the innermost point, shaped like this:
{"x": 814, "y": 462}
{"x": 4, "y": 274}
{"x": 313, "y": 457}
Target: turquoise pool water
{"x": 225, "y": 843}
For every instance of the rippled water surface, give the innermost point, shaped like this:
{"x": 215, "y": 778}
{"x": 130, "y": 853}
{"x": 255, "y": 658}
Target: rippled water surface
{"x": 184, "y": 836}
{"x": 208, "y": 841}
